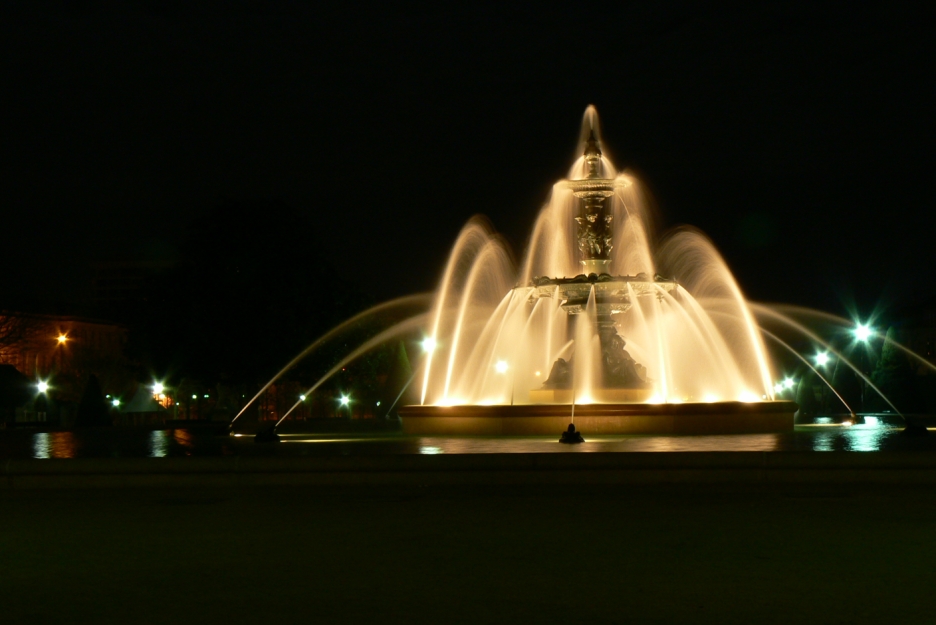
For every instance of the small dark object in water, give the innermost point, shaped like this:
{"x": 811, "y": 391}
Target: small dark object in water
{"x": 570, "y": 436}
{"x": 915, "y": 430}
{"x": 268, "y": 435}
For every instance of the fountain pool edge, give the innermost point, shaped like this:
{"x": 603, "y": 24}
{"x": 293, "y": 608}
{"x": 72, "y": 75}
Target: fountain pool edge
{"x": 552, "y": 419}
{"x": 756, "y": 469}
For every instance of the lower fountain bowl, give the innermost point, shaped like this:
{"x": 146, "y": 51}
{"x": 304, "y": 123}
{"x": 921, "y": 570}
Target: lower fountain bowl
{"x": 623, "y": 418}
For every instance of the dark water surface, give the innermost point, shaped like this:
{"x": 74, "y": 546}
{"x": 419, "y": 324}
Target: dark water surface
{"x": 875, "y": 435}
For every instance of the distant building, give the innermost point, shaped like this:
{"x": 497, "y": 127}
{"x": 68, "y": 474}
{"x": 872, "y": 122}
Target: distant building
{"x": 64, "y": 352}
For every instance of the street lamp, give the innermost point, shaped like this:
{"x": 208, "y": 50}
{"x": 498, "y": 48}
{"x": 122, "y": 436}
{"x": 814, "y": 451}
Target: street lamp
{"x": 822, "y": 359}
{"x": 43, "y": 386}
{"x": 863, "y": 332}
{"x": 428, "y": 344}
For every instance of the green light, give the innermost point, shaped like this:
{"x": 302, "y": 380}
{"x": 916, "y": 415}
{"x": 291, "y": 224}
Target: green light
{"x": 863, "y": 332}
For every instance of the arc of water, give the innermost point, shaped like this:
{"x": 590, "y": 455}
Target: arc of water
{"x": 704, "y": 329}
{"x": 809, "y": 364}
{"x": 845, "y": 322}
{"x": 492, "y": 248}
{"x": 402, "y": 328}
{"x": 812, "y": 335}
{"x": 401, "y": 302}
{"x": 486, "y": 357}
{"x": 475, "y": 228}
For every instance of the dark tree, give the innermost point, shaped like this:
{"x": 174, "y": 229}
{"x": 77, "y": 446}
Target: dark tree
{"x": 894, "y": 375}
{"x": 92, "y": 409}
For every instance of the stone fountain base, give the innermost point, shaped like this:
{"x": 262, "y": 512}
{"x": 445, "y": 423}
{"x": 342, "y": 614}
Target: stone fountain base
{"x": 624, "y": 418}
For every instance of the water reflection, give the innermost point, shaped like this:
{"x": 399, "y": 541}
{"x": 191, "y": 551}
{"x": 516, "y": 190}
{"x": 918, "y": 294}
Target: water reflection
{"x": 868, "y": 437}
{"x": 874, "y": 435}
{"x": 54, "y": 445}
{"x": 41, "y": 445}
{"x": 159, "y": 443}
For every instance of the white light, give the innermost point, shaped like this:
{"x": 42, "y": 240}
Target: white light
{"x": 537, "y": 374}
{"x": 747, "y": 397}
{"x": 778, "y": 387}
{"x": 501, "y": 366}
{"x": 43, "y": 386}
{"x": 194, "y": 396}
{"x": 788, "y": 383}
{"x": 378, "y": 403}
{"x": 162, "y": 396}
{"x": 862, "y": 332}
{"x": 157, "y": 388}
{"x": 822, "y": 358}
{"x": 115, "y": 402}
{"x": 302, "y": 398}
{"x": 428, "y": 344}
{"x": 345, "y": 400}
{"x": 709, "y": 398}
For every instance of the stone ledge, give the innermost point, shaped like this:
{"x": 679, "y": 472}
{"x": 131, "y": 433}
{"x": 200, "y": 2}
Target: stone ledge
{"x": 758, "y": 468}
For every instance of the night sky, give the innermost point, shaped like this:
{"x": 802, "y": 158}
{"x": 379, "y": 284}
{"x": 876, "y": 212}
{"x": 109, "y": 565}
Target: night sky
{"x": 799, "y": 138}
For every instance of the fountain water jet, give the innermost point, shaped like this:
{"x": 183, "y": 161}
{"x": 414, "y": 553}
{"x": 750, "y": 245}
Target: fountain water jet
{"x": 649, "y": 354}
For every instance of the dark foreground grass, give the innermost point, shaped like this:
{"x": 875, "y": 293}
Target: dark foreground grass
{"x": 408, "y": 554}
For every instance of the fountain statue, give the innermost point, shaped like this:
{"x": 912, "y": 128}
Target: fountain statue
{"x": 518, "y": 351}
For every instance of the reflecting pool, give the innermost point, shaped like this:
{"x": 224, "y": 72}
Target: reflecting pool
{"x": 823, "y": 436}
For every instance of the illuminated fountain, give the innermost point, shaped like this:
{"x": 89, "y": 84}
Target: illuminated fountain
{"x": 635, "y": 336}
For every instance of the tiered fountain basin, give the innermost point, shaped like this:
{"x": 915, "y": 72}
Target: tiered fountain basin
{"x": 727, "y": 417}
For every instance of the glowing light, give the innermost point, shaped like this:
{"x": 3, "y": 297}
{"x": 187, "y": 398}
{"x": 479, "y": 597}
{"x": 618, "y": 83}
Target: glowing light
{"x": 501, "y": 366}
{"x": 43, "y": 386}
{"x": 537, "y": 374}
{"x": 709, "y": 398}
{"x": 822, "y": 358}
{"x": 194, "y": 396}
{"x": 115, "y": 402}
{"x": 676, "y": 400}
{"x": 158, "y": 388}
{"x": 62, "y": 338}
{"x": 378, "y": 403}
{"x": 428, "y": 344}
{"x": 345, "y": 400}
{"x": 788, "y": 383}
{"x": 778, "y": 387}
{"x": 162, "y": 396}
{"x": 584, "y": 399}
{"x": 655, "y": 399}
{"x": 748, "y": 397}
{"x": 863, "y": 332}
{"x": 847, "y": 424}
{"x": 206, "y": 396}
{"x": 302, "y": 398}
